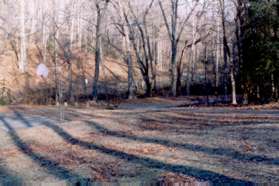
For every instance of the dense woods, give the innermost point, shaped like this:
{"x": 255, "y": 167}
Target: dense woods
{"x": 127, "y": 48}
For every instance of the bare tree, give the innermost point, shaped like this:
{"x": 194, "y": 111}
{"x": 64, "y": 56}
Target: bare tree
{"x": 144, "y": 51}
{"x": 126, "y": 51}
{"x": 23, "y": 52}
{"x": 228, "y": 59}
{"x": 101, "y": 8}
{"x": 174, "y": 34}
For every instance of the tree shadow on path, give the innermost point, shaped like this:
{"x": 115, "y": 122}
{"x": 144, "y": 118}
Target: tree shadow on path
{"x": 51, "y": 166}
{"x": 231, "y": 153}
{"x": 145, "y": 161}
{"x": 24, "y": 120}
{"x": 8, "y": 178}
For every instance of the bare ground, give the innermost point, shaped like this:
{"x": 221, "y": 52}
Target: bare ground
{"x": 152, "y": 142}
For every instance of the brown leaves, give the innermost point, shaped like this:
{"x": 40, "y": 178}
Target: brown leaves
{"x": 173, "y": 179}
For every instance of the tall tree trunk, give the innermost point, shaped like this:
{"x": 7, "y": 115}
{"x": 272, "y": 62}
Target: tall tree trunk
{"x": 174, "y": 69}
{"x": 70, "y": 79}
{"x": 79, "y": 29}
{"x": 23, "y": 55}
{"x": 226, "y": 49}
{"x": 153, "y": 75}
{"x": 128, "y": 56}
{"x": 148, "y": 85}
{"x": 131, "y": 85}
{"x": 159, "y": 63}
{"x": 232, "y": 75}
{"x": 57, "y": 68}
{"x": 205, "y": 74}
{"x": 44, "y": 41}
{"x": 194, "y": 50}
{"x": 234, "y": 100}
{"x": 217, "y": 57}
{"x": 180, "y": 69}
{"x": 154, "y": 66}
{"x": 69, "y": 51}
{"x": 98, "y": 55}
{"x": 101, "y": 11}
{"x": 179, "y": 79}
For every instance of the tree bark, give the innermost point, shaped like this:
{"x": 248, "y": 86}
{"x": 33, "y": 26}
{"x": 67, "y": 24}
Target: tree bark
{"x": 232, "y": 75}
{"x": 217, "y": 57}
{"x": 228, "y": 56}
{"x": 98, "y": 47}
{"x": 127, "y": 50}
{"x": 174, "y": 69}
{"x": 23, "y": 52}
{"x": 234, "y": 100}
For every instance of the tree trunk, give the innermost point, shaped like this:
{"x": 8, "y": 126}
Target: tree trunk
{"x": 217, "y": 58}
{"x": 174, "y": 69}
{"x": 180, "y": 68}
{"x": 205, "y": 74}
{"x": 226, "y": 49}
{"x": 98, "y": 45}
{"x": 188, "y": 83}
{"x": 148, "y": 86}
{"x": 79, "y": 28}
{"x": 194, "y": 51}
{"x": 44, "y": 42}
{"x": 234, "y": 100}
{"x": 23, "y": 55}
{"x": 98, "y": 55}
{"x": 246, "y": 94}
{"x": 131, "y": 86}
{"x": 70, "y": 79}
{"x": 127, "y": 53}
{"x": 179, "y": 84}
{"x": 233, "y": 84}
{"x": 153, "y": 67}
{"x": 69, "y": 54}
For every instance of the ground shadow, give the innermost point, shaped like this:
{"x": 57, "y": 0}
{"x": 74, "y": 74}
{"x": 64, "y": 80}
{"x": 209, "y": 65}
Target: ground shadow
{"x": 200, "y": 174}
{"x": 8, "y": 178}
{"x": 24, "y": 121}
{"x": 231, "y": 153}
{"x": 202, "y": 122}
{"x": 51, "y": 166}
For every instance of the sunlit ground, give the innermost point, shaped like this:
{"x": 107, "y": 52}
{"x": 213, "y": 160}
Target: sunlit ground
{"x": 140, "y": 145}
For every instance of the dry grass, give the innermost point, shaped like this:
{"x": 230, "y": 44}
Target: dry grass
{"x": 217, "y": 144}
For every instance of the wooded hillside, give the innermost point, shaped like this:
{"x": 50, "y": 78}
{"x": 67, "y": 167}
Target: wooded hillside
{"x": 112, "y": 48}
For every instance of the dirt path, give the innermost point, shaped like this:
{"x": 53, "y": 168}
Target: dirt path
{"x": 140, "y": 145}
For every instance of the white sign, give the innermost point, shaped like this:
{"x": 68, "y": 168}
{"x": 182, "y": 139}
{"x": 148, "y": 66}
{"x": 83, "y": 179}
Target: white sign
{"x": 42, "y": 70}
